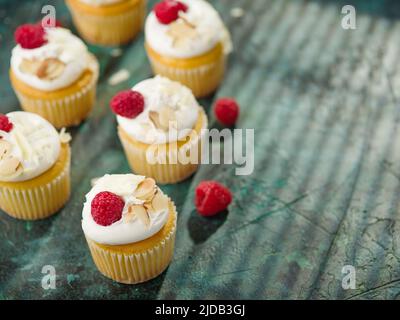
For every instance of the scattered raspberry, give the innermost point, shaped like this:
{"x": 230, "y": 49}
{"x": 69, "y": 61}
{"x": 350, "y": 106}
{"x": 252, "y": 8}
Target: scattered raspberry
{"x": 227, "y": 111}
{"x": 128, "y": 104}
{"x": 5, "y": 124}
{"x": 30, "y": 36}
{"x": 107, "y": 208}
{"x": 46, "y": 22}
{"x": 167, "y": 11}
{"x": 211, "y": 198}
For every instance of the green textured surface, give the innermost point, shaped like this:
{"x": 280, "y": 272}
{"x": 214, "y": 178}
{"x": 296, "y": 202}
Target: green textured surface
{"x": 323, "y": 102}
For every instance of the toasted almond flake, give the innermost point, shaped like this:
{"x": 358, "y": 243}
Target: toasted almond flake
{"x": 65, "y": 137}
{"x": 9, "y": 166}
{"x": 140, "y": 212}
{"x": 155, "y": 118}
{"x": 237, "y": 12}
{"x": 50, "y": 69}
{"x": 29, "y": 66}
{"x": 160, "y": 202}
{"x": 118, "y": 77}
{"x": 167, "y": 115}
{"x": 180, "y": 31}
{"x": 149, "y": 207}
{"x": 5, "y": 148}
{"x": 146, "y": 189}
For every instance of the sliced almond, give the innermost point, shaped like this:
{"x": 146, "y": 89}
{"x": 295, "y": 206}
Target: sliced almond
{"x": 167, "y": 115}
{"x": 50, "y": 69}
{"x": 180, "y": 31}
{"x": 140, "y": 212}
{"x": 130, "y": 214}
{"x": 145, "y": 190}
{"x": 155, "y": 118}
{"x": 29, "y": 66}
{"x": 160, "y": 202}
{"x": 9, "y": 166}
{"x": 5, "y": 148}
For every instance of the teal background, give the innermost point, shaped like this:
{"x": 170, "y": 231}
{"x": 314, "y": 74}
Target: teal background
{"x": 324, "y": 105}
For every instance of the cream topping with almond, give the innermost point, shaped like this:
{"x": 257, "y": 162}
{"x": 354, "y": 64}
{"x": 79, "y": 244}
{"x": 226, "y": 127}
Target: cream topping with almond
{"x": 145, "y": 212}
{"x": 196, "y": 32}
{"x": 55, "y": 65}
{"x": 31, "y": 148}
{"x": 170, "y": 112}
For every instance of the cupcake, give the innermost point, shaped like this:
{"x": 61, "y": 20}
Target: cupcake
{"x": 34, "y": 166}
{"x": 108, "y": 22}
{"x": 187, "y": 41}
{"x": 161, "y": 127}
{"x": 129, "y": 225}
{"x": 53, "y": 74}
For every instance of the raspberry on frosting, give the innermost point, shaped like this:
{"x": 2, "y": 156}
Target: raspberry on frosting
{"x": 5, "y": 124}
{"x": 107, "y": 208}
{"x": 211, "y": 198}
{"x": 30, "y": 36}
{"x": 227, "y": 111}
{"x": 128, "y": 104}
{"x": 167, "y": 11}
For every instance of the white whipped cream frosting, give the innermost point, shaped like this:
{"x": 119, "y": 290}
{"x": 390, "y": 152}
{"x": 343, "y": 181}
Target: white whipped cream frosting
{"x": 35, "y": 143}
{"x": 210, "y": 30}
{"x": 101, "y": 2}
{"x": 159, "y": 92}
{"x": 122, "y": 231}
{"x": 63, "y": 45}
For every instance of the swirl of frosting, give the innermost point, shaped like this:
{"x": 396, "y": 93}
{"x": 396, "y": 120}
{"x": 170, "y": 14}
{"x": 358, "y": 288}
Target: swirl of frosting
{"x": 161, "y": 94}
{"x": 127, "y": 229}
{"x": 64, "y": 56}
{"x": 196, "y": 32}
{"x": 33, "y": 145}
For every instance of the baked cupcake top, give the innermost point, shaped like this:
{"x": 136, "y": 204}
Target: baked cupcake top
{"x": 49, "y": 58}
{"x": 124, "y": 208}
{"x": 29, "y": 146}
{"x": 156, "y": 111}
{"x": 185, "y": 28}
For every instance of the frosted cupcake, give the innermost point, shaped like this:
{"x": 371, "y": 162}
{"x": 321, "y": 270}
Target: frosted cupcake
{"x": 129, "y": 225}
{"x": 160, "y": 125}
{"x": 108, "y": 22}
{"x": 53, "y": 74}
{"x": 34, "y": 166}
{"x": 187, "y": 41}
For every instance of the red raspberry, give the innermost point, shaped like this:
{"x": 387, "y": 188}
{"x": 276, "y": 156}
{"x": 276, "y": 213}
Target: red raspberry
{"x": 227, "y": 111}
{"x": 107, "y": 208}
{"x": 128, "y": 104}
{"x": 30, "y": 36}
{"x": 5, "y": 124}
{"x": 167, "y": 11}
{"x": 211, "y": 198}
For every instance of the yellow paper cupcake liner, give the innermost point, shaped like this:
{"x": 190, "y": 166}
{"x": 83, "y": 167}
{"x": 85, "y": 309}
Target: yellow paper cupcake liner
{"x": 169, "y": 172}
{"x": 202, "y": 75}
{"x": 109, "y": 25}
{"x": 42, "y": 196}
{"x": 62, "y": 108}
{"x": 137, "y": 262}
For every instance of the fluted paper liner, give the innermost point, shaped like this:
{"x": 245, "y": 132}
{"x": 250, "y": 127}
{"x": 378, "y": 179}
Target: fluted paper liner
{"x": 131, "y": 265}
{"x": 68, "y": 108}
{"x": 163, "y": 173}
{"x": 42, "y": 196}
{"x": 120, "y": 26}
{"x": 203, "y": 76}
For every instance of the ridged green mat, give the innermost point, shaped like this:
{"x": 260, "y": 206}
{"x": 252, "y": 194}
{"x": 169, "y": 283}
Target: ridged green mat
{"x": 324, "y": 105}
